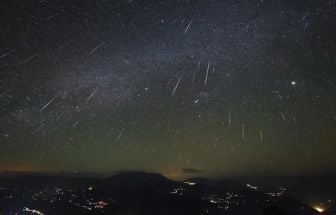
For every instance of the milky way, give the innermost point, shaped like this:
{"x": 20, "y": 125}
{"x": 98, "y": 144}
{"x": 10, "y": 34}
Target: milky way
{"x": 221, "y": 87}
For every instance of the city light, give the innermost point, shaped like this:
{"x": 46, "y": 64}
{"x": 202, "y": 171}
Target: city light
{"x": 319, "y": 209}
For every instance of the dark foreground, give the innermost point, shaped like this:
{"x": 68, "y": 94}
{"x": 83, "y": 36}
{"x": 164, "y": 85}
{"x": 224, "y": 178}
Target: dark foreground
{"x": 141, "y": 193}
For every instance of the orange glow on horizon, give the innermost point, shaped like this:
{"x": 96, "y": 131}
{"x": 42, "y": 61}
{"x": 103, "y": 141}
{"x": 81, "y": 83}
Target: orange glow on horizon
{"x": 173, "y": 174}
{"x": 21, "y": 168}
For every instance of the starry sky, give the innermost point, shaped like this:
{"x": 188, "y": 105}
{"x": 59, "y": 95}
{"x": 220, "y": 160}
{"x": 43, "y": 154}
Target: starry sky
{"x": 178, "y": 86}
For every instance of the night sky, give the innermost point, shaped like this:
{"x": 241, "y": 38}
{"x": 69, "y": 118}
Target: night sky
{"x": 175, "y": 86}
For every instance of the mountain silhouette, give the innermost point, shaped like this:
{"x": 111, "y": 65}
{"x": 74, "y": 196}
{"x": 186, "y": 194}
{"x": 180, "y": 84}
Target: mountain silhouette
{"x": 138, "y": 193}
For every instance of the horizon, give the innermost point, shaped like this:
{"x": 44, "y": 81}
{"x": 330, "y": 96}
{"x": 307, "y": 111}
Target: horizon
{"x": 171, "y": 175}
